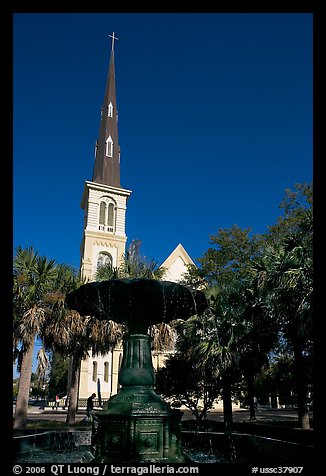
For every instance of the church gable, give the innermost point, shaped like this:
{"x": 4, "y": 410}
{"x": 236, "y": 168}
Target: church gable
{"x": 176, "y": 264}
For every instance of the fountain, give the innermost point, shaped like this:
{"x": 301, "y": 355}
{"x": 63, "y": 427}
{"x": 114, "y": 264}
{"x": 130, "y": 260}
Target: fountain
{"x": 137, "y": 425}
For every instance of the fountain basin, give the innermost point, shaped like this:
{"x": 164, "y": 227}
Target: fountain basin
{"x": 236, "y": 447}
{"x": 53, "y": 446}
{"x": 137, "y": 303}
{"x": 198, "y": 447}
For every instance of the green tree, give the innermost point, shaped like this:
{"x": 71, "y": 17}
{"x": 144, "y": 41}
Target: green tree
{"x": 58, "y": 375}
{"x": 219, "y": 346}
{"x": 225, "y": 263}
{"x": 284, "y": 271}
{"x": 242, "y": 330}
{"x": 260, "y": 337}
{"x": 199, "y": 385}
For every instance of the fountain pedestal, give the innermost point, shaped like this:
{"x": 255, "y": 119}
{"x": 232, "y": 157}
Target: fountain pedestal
{"x": 138, "y": 425}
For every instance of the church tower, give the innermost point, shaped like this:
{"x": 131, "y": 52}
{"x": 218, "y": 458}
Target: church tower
{"x": 104, "y": 201}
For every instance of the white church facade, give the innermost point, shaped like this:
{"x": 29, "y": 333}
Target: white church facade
{"x": 104, "y": 239}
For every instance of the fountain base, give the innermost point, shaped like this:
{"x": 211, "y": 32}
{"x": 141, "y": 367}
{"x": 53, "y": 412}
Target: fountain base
{"x": 138, "y": 426}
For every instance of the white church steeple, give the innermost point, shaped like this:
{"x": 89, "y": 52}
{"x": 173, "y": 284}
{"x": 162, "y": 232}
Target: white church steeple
{"x": 104, "y": 201}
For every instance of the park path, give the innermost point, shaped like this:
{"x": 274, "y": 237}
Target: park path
{"x": 35, "y": 413}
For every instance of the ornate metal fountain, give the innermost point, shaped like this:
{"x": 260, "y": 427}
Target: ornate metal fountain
{"x": 137, "y": 425}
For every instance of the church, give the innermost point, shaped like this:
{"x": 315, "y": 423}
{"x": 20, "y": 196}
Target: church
{"x": 104, "y": 239}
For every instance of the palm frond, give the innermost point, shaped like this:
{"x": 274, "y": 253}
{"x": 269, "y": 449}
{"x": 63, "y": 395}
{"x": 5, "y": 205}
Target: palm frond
{"x": 163, "y": 337}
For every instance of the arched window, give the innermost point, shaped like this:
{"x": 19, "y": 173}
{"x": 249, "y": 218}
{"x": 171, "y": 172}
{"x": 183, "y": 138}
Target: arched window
{"x": 106, "y": 219}
{"x": 94, "y": 376}
{"x": 110, "y": 214}
{"x": 110, "y": 110}
{"x": 106, "y": 371}
{"x": 104, "y": 259}
{"x": 109, "y": 147}
{"x": 102, "y": 213}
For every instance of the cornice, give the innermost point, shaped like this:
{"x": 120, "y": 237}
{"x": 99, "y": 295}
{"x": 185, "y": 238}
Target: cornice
{"x": 107, "y": 188}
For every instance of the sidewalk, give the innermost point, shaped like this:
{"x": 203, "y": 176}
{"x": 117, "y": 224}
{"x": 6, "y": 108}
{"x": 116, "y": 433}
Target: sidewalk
{"x": 242, "y": 414}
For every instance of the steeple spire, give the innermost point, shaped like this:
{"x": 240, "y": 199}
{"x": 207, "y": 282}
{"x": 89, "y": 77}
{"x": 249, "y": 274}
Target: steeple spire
{"x": 107, "y": 150}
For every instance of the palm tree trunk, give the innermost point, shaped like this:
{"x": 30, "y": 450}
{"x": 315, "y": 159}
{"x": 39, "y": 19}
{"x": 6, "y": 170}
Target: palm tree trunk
{"x": 69, "y": 375}
{"x": 251, "y": 395}
{"x": 20, "y": 417}
{"x": 303, "y": 416}
{"x": 73, "y": 392}
{"x": 227, "y": 405}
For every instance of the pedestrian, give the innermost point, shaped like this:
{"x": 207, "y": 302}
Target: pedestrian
{"x": 57, "y": 401}
{"x": 90, "y": 405}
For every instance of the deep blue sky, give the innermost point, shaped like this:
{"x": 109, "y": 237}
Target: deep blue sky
{"x": 215, "y": 122}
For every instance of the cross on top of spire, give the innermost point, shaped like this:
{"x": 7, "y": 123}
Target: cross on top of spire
{"x": 113, "y": 38}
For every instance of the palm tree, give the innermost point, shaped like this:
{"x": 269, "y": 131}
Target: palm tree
{"x": 219, "y": 347}
{"x": 281, "y": 267}
{"x": 237, "y": 336}
{"x": 133, "y": 265}
{"x": 199, "y": 386}
{"x": 259, "y": 339}
{"x": 42, "y": 366}
{"x": 33, "y": 279}
{"x": 72, "y": 335}
{"x": 286, "y": 271}
{"x": 105, "y": 272}
{"x": 163, "y": 336}
{"x": 224, "y": 275}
